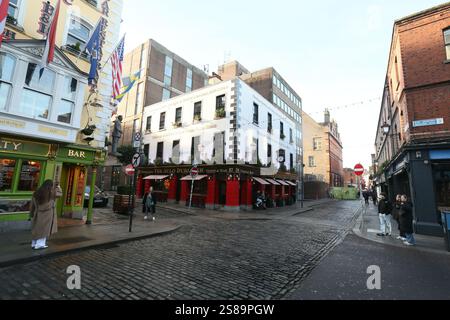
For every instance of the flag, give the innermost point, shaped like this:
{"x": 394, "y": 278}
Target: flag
{"x": 116, "y": 61}
{"x": 128, "y": 83}
{"x": 49, "y": 52}
{"x": 4, "y": 5}
{"x": 93, "y": 47}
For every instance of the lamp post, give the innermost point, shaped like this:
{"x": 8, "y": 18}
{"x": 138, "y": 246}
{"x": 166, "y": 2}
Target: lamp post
{"x": 386, "y": 129}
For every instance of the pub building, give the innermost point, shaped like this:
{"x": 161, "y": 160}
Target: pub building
{"x": 239, "y": 141}
{"x": 40, "y": 122}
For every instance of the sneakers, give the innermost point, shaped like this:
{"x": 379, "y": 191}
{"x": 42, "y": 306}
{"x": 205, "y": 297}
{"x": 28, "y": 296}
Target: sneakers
{"x": 39, "y": 248}
{"x": 153, "y": 219}
{"x": 380, "y": 234}
{"x": 406, "y": 243}
{"x": 401, "y": 238}
{"x": 145, "y": 218}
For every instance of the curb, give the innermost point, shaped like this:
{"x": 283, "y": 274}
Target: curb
{"x": 88, "y": 247}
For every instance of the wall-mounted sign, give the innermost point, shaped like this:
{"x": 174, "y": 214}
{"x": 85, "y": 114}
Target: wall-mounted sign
{"x": 428, "y": 122}
{"x": 105, "y": 8}
{"x": 46, "y": 14}
{"x": 10, "y": 145}
{"x": 76, "y": 154}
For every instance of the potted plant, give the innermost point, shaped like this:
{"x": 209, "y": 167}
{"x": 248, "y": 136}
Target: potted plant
{"x": 88, "y": 130}
{"x": 177, "y": 124}
{"x": 11, "y": 20}
{"x": 220, "y": 113}
{"x": 198, "y": 117}
{"x": 75, "y": 47}
{"x": 282, "y": 136}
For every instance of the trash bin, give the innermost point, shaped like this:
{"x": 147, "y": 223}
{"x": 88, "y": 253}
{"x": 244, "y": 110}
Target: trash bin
{"x": 445, "y": 216}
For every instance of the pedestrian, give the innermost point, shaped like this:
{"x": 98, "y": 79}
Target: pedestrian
{"x": 384, "y": 213}
{"x": 406, "y": 221}
{"x": 395, "y": 215}
{"x": 366, "y": 196}
{"x": 43, "y": 215}
{"x": 374, "y": 196}
{"x": 150, "y": 204}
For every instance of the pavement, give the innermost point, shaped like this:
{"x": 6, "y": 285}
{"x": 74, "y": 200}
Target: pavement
{"x": 421, "y": 272}
{"x": 108, "y": 229}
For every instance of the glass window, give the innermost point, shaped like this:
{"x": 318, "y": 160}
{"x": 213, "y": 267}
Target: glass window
{"x": 269, "y": 122}
{"x": 30, "y": 174}
{"x": 139, "y": 99}
{"x": 178, "y": 115}
{"x": 291, "y": 136}
{"x": 64, "y": 111}
{"x": 220, "y": 102}
{"x": 69, "y": 90}
{"x": 447, "y": 43}
{"x": 160, "y": 150}
{"x": 78, "y": 34}
{"x": 274, "y": 80}
{"x": 162, "y": 121}
{"x": 5, "y": 90}
{"x": 13, "y": 9}
{"x": 255, "y": 113}
{"x": 168, "y": 71}
{"x": 149, "y": 124}
{"x": 282, "y": 130}
{"x": 43, "y": 83}
{"x": 34, "y": 104}
{"x": 198, "y": 110}
{"x": 166, "y": 94}
{"x": 13, "y": 205}
{"x": 7, "y": 167}
{"x": 311, "y": 162}
{"x": 189, "y": 80}
{"x": 7, "y": 64}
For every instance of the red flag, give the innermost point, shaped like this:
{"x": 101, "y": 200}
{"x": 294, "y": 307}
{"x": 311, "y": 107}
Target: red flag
{"x": 49, "y": 52}
{"x": 4, "y": 5}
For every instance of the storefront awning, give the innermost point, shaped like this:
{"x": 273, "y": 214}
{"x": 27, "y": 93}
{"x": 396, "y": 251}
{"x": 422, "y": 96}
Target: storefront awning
{"x": 155, "y": 177}
{"x": 282, "y": 182}
{"x": 291, "y": 183}
{"x": 261, "y": 181}
{"x": 189, "y": 178}
{"x": 273, "y": 182}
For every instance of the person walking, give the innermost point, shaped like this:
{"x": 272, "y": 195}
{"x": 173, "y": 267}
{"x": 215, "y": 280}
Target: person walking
{"x": 366, "y": 196}
{"x": 384, "y": 213}
{"x": 396, "y": 216}
{"x": 150, "y": 204}
{"x": 374, "y": 197}
{"x": 43, "y": 215}
{"x": 406, "y": 221}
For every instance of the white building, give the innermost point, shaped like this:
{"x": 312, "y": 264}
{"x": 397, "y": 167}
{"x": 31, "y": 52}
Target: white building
{"x": 189, "y": 128}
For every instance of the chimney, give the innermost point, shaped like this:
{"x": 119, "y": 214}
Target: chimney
{"x": 327, "y": 116}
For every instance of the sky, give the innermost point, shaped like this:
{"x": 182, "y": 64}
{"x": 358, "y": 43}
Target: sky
{"x": 332, "y": 53}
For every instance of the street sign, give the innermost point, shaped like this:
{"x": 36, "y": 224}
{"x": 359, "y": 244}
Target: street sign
{"x": 194, "y": 172}
{"x": 137, "y": 136}
{"x": 359, "y": 170}
{"x": 129, "y": 170}
{"x": 136, "y": 162}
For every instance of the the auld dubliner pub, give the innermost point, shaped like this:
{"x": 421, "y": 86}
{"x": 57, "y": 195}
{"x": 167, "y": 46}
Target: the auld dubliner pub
{"x": 49, "y": 125}
{"x": 240, "y": 142}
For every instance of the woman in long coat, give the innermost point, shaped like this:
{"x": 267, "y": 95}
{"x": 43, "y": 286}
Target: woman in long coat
{"x": 406, "y": 220}
{"x": 43, "y": 215}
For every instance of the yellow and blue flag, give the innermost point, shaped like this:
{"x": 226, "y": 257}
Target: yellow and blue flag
{"x": 128, "y": 83}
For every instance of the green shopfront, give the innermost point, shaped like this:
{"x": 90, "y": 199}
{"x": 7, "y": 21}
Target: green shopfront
{"x": 26, "y": 164}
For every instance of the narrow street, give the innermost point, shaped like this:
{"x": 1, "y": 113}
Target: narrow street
{"x": 207, "y": 258}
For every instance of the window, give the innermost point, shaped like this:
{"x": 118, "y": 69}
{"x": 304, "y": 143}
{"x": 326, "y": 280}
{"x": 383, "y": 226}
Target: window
{"x": 78, "y": 34}
{"x": 269, "y": 122}
{"x": 311, "y": 162}
{"x": 7, "y": 167}
{"x": 282, "y": 136}
{"x": 67, "y": 104}
{"x": 189, "y": 80}
{"x": 447, "y": 43}
{"x": 176, "y": 150}
{"x": 291, "y": 159}
{"x": 7, "y": 64}
{"x": 317, "y": 144}
{"x": 143, "y": 62}
{"x": 148, "y": 127}
{"x": 269, "y": 154}
{"x": 162, "y": 121}
{"x": 146, "y": 152}
{"x": 160, "y": 150}
{"x": 135, "y": 127}
{"x": 30, "y": 174}
{"x": 178, "y": 115}
{"x": 139, "y": 99}
{"x": 168, "y": 71}
{"x": 281, "y": 156}
{"x": 13, "y": 9}
{"x": 255, "y": 113}
{"x": 198, "y": 110}
{"x": 291, "y": 136}
{"x": 165, "y": 94}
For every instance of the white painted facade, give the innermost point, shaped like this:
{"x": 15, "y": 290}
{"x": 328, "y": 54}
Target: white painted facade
{"x": 239, "y": 99}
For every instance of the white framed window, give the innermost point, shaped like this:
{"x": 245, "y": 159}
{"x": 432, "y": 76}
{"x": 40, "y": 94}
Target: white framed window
{"x": 65, "y": 108}
{"x": 447, "y": 42}
{"x": 78, "y": 33}
{"x": 13, "y": 9}
{"x": 168, "y": 71}
{"x": 189, "y": 80}
{"x": 7, "y": 66}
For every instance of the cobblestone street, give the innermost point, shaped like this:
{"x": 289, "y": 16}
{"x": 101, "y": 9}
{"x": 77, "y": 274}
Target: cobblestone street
{"x": 208, "y": 258}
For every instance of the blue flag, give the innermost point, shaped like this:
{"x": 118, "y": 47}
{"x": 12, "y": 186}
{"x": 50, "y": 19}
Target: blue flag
{"x": 94, "y": 47}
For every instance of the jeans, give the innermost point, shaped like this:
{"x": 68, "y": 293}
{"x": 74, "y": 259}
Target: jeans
{"x": 150, "y": 209}
{"x": 385, "y": 223}
{"x": 410, "y": 238}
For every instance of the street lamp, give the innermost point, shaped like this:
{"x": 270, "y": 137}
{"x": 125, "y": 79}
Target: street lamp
{"x": 385, "y": 128}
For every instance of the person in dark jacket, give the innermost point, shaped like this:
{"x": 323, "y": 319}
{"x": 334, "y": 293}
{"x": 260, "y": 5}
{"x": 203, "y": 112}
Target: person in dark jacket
{"x": 395, "y": 215}
{"x": 384, "y": 213}
{"x": 150, "y": 204}
{"x": 366, "y": 196}
{"x": 406, "y": 220}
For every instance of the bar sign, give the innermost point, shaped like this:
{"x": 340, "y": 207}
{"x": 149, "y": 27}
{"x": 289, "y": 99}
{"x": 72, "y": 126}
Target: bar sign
{"x": 429, "y": 122}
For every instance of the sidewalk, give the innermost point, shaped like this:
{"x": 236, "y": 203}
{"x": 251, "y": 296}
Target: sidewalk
{"x": 15, "y": 247}
{"x": 286, "y": 211}
{"x": 368, "y": 225}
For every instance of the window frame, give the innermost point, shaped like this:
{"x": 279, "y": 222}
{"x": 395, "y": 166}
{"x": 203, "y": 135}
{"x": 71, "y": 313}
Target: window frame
{"x": 9, "y": 82}
{"x": 255, "y": 113}
{"x": 197, "y": 105}
{"x": 148, "y": 124}
{"x": 162, "y": 121}
{"x": 446, "y": 44}
{"x": 83, "y": 23}
{"x": 178, "y": 117}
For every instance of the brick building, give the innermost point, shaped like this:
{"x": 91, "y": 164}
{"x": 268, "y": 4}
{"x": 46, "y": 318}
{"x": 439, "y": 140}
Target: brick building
{"x": 350, "y": 178}
{"x": 413, "y": 134}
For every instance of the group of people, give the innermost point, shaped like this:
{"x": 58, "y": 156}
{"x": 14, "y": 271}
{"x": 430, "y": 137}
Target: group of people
{"x": 370, "y": 194}
{"x": 401, "y": 211}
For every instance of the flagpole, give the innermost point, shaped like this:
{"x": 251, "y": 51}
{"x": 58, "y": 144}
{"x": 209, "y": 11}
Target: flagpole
{"x": 115, "y": 48}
